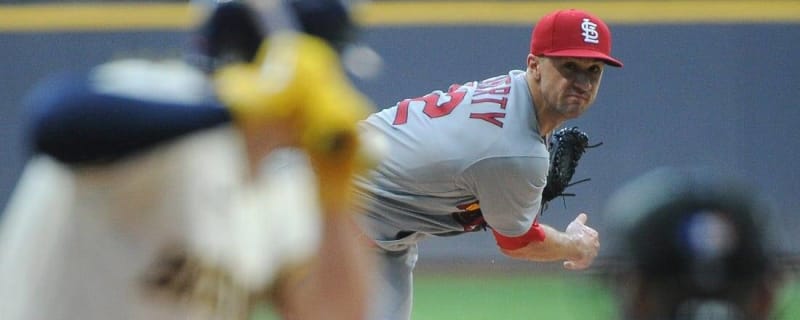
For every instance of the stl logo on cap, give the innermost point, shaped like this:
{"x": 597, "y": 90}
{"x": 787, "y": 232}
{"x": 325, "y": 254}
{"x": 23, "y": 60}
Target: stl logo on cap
{"x": 573, "y": 33}
{"x": 590, "y": 33}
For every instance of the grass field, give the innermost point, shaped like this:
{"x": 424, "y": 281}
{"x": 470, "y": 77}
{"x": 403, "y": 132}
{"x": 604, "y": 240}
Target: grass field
{"x": 510, "y": 297}
{"x": 517, "y": 296}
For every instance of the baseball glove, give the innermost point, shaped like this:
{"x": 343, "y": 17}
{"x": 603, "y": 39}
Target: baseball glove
{"x": 566, "y": 148}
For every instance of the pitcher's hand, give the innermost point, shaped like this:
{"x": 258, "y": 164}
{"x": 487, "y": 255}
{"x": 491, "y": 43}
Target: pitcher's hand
{"x": 586, "y": 241}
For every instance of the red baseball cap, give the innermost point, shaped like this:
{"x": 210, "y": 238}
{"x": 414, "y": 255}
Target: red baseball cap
{"x": 573, "y": 33}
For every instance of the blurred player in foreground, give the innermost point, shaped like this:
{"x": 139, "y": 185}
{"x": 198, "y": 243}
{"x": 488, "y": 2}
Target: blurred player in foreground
{"x": 692, "y": 244}
{"x": 476, "y": 157}
{"x": 146, "y": 199}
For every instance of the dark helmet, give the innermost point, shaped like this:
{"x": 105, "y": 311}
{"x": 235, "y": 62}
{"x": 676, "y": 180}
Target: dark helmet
{"x": 232, "y": 31}
{"x": 702, "y": 233}
{"x": 327, "y": 19}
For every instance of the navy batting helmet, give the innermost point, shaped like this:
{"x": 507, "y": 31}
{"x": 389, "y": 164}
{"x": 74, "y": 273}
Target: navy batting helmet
{"x": 703, "y": 233}
{"x": 233, "y": 31}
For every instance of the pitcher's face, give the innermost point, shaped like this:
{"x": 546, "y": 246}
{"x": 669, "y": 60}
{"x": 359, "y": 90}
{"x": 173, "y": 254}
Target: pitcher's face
{"x": 569, "y": 85}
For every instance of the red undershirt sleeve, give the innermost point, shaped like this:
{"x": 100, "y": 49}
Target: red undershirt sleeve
{"x": 534, "y": 234}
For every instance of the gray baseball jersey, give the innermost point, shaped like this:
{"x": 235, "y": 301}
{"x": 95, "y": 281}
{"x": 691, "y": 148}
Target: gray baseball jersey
{"x": 476, "y": 142}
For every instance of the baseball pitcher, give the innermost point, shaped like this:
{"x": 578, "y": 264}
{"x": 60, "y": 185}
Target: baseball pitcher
{"x": 475, "y": 157}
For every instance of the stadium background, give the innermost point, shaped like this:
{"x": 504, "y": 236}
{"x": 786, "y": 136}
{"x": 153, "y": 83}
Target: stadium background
{"x": 712, "y": 83}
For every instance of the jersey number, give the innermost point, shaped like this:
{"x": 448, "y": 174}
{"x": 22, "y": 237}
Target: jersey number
{"x": 432, "y": 107}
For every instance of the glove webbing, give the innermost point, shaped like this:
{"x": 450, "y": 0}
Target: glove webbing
{"x": 567, "y": 145}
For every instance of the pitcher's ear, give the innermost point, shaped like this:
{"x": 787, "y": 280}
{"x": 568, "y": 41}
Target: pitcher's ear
{"x": 534, "y": 65}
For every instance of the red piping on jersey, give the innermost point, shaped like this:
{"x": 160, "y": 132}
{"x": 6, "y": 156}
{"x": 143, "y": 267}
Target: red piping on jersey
{"x": 534, "y": 234}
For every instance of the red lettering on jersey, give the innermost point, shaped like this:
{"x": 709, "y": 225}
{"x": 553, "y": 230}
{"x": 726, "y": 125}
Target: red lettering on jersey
{"x": 401, "y": 116}
{"x": 494, "y": 90}
{"x": 433, "y": 110}
{"x": 497, "y": 88}
{"x": 490, "y": 117}
{"x": 432, "y": 107}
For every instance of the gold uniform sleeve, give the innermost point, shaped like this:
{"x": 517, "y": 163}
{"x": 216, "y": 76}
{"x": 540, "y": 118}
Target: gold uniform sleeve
{"x": 300, "y": 78}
